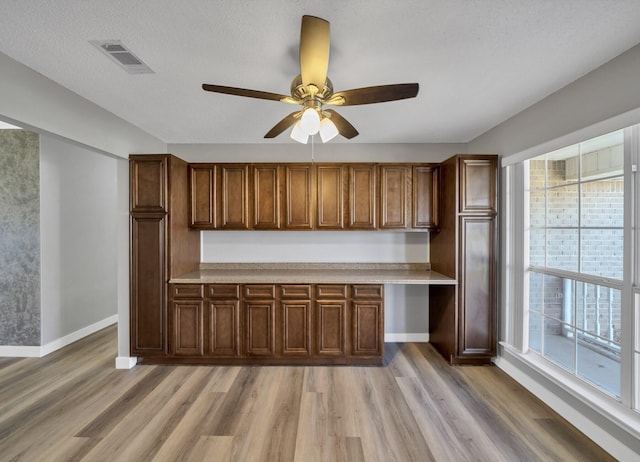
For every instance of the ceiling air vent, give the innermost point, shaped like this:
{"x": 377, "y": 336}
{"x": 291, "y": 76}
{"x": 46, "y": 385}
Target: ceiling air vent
{"x": 116, "y": 50}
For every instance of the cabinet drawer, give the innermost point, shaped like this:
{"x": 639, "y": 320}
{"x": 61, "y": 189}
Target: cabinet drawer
{"x": 299, "y": 291}
{"x": 228, "y": 291}
{"x": 367, "y": 291}
{"x": 186, "y": 290}
{"x": 331, "y": 291}
{"x": 264, "y": 291}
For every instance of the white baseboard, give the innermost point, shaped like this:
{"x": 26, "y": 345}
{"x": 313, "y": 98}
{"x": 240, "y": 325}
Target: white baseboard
{"x": 418, "y": 338}
{"x": 126, "y": 362}
{"x": 40, "y": 351}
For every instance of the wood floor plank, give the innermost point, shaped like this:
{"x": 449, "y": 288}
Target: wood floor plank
{"x": 73, "y": 405}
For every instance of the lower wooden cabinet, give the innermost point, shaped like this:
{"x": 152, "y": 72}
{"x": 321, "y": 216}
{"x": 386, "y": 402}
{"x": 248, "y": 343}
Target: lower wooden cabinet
{"x": 276, "y": 324}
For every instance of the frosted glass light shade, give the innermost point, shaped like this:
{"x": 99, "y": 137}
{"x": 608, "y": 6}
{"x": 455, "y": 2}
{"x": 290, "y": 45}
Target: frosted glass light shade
{"x": 298, "y": 134}
{"x": 328, "y": 130}
{"x": 310, "y": 121}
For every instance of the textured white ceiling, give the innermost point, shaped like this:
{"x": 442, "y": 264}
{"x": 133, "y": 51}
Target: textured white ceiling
{"x": 478, "y": 62}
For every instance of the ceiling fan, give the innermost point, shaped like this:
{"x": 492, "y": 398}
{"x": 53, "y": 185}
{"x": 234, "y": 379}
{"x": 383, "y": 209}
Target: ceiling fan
{"x": 312, "y": 90}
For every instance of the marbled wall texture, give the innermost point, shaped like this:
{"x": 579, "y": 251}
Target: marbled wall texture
{"x": 19, "y": 238}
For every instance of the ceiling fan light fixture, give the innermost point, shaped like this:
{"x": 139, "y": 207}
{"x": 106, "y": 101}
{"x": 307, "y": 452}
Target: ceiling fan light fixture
{"x": 298, "y": 134}
{"x": 328, "y": 130}
{"x": 310, "y": 121}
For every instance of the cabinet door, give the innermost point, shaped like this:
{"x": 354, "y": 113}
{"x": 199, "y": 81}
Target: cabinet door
{"x": 187, "y": 328}
{"x": 298, "y": 197}
{"x": 202, "y": 196}
{"x": 362, "y": 196}
{"x": 330, "y": 206}
{"x": 148, "y": 276}
{"x": 478, "y": 180}
{"x": 367, "y": 328}
{"x": 426, "y": 196}
{"x": 260, "y": 327}
{"x": 223, "y": 328}
{"x": 395, "y": 197}
{"x": 331, "y": 326}
{"x": 477, "y": 282}
{"x": 266, "y": 197}
{"x": 148, "y": 188}
{"x": 233, "y": 202}
{"x": 296, "y": 327}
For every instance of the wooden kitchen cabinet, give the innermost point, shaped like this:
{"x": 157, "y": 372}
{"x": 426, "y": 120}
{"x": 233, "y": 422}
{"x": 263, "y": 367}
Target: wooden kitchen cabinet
{"x": 187, "y": 327}
{"x": 299, "y": 198}
{"x": 395, "y": 196}
{"x": 162, "y": 246}
{"x": 462, "y": 320}
{"x": 266, "y": 196}
{"x": 295, "y": 312}
{"x": 223, "y": 320}
{"x": 202, "y": 196}
{"x": 260, "y": 319}
{"x": 426, "y": 197}
{"x": 330, "y": 196}
{"x": 233, "y": 196}
{"x": 367, "y": 320}
{"x": 331, "y": 319}
{"x": 363, "y": 187}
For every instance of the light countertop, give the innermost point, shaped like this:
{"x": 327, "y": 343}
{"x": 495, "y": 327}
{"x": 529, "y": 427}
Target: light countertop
{"x": 314, "y": 273}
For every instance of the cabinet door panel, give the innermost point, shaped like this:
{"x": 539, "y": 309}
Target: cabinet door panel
{"x": 298, "y": 197}
{"x": 203, "y": 196}
{"x": 368, "y": 328}
{"x": 266, "y": 197}
{"x": 148, "y": 186}
{"x": 187, "y": 328}
{"x": 234, "y": 196}
{"x": 260, "y": 328}
{"x": 296, "y": 324}
{"x": 331, "y": 327}
{"x": 394, "y": 196}
{"x": 148, "y": 318}
{"x": 330, "y": 206}
{"x": 223, "y": 328}
{"x": 478, "y": 185}
{"x": 477, "y": 285}
{"x": 426, "y": 197}
{"x": 362, "y": 196}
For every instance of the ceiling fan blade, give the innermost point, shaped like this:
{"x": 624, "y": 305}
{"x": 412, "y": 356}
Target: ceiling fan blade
{"x": 243, "y": 92}
{"x": 379, "y": 94}
{"x": 283, "y": 125}
{"x": 314, "y": 51}
{"x": 344, "y": 127}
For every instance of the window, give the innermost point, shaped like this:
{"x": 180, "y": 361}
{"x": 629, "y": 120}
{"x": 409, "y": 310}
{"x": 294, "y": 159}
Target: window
{"x": 575, "y": 241}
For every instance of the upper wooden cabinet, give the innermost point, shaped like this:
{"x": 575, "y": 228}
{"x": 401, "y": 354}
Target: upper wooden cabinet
{"x": 426, "y": 196}
{"x": 362, "y": 196}
{"x": 148, "y": 184}
{"x": 478, "y": 185}
{"x": 330, "y": 193}
{"x": 322, "y": 196}
{"x": 233, "y": 205}
{"x": 203, "y": 196}
{"x": 395, "y": 196}
{"x": 266, "y": 196}
{"x": 299, "y": 200}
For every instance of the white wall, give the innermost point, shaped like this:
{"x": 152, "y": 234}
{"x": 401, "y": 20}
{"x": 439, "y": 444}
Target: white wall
{"x": 78, "y": 194}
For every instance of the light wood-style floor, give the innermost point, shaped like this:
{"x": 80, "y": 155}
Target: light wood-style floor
{"x": 73, "y": 405}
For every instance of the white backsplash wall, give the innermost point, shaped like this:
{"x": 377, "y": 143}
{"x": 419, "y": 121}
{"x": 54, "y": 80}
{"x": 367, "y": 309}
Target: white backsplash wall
{"x": 406, "y": 307}
{"x": 314, "y": 247}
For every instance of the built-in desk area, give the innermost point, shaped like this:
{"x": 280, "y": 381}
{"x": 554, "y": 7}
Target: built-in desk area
{"x": 185, "y": 311}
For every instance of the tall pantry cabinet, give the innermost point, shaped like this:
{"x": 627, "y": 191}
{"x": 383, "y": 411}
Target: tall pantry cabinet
{"x": 462, "y": 318}
{"x": 162, "y": 246}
